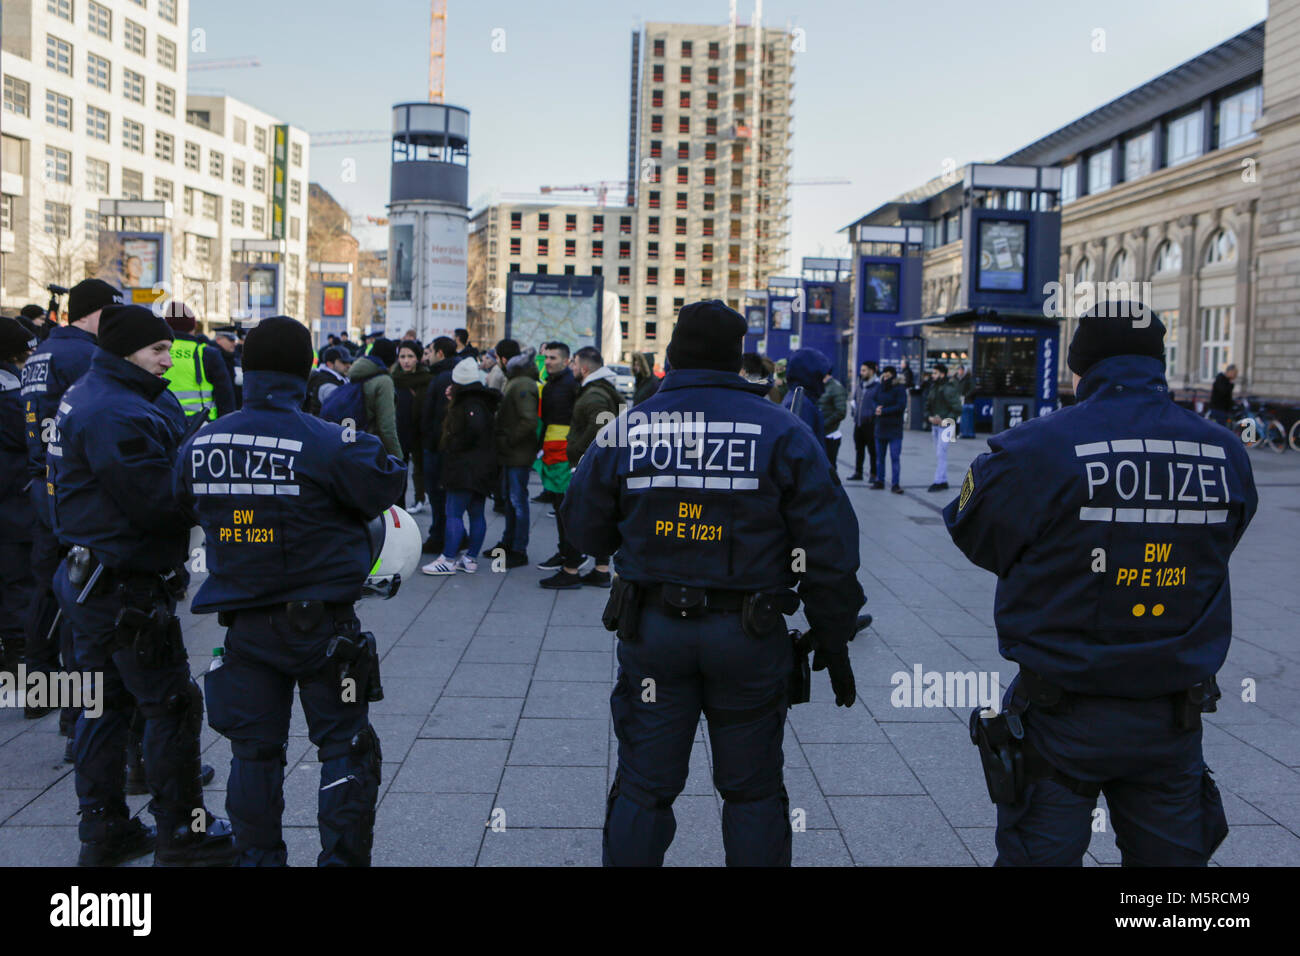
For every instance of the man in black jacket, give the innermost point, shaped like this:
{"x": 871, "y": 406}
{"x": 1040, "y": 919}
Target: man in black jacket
{"x": 1221, "y": 396}
{"x": 432, "y": 414}
{"x": 332, "y": 372}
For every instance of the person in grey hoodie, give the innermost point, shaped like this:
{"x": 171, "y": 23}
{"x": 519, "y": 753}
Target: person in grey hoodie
{"x": 377, "y": 385}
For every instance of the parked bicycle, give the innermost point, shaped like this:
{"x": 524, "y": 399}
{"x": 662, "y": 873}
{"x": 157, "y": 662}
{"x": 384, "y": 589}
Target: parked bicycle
{"x": 1256, "y": 426}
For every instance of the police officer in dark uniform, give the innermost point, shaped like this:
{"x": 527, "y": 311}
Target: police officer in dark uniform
{"x": 718, "y": 502}
{"x": 16, "y": 519}
{"x": 283, "y": 498}
{"x": 1109, "y": 524}
{"x": 111, "y": 463}
{"x": 60, "y": 360}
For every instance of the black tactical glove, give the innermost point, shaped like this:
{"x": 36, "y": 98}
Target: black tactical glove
{"x": 836, "y": 664}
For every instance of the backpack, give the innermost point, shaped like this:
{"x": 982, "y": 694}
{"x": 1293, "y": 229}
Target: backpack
{"x": 348, "y": 401}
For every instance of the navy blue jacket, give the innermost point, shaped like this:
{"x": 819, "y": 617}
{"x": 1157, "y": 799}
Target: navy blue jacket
{"x": 708, "y": 483}
{"x": 892, "y": 399}
{"x": 808, "y": 368}
{"x": 15, "y": 510}
{"x": 283, "y": 498}
{"x": 864, "y": 397}
{"x": 1109, "y": 525}
{"x": 111, "y": 463}
{"x": 51, "y": 370}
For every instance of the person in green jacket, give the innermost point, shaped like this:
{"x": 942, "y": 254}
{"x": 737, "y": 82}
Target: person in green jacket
{"x": 834, "y": 405}
{"x": 517, "y": 442}
{"x": 943, "y": 402}
{"x": 377, "y": 386}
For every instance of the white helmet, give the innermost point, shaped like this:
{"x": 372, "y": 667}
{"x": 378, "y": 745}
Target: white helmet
{"x": 395, "y": 549}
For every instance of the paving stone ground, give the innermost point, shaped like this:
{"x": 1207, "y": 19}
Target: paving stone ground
{"x": 496, "y": 708}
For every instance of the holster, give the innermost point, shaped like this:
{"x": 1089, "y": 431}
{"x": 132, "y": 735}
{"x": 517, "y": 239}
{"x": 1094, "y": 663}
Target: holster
{"x": 146, "y": 622}
{"x": 800, "y": 689}
{"x": 763, "y": 614}
{"x": 999, "y": 739}
{"x": 622, "y": 612}
{"x": 355, "y": 656}
{"x": 1198, "y": 699}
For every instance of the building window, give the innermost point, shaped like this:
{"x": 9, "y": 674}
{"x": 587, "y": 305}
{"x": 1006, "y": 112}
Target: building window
{"x": 58, "y": 219}
{"x": 192, "y": 156}
{"x": 132, "y": 184}
{"x": 570, "y": 222}
{"x": 1237, "y": 113}
{"x": 1170, "y": 319}
{"x": 216, "y": 164}
{"x": 656, "y": 123}
{"x": 715, "y": 51}
{"x": 99, "y": 20}
{"x": 541, "y": 269}
{"x": 1183, "y": 139}
{"x": 597, "y": 223}
{"x": 1216, "y": 340}
{"x": 163, "y": 189}
{"x": 133, "y": 86}
{"x": 1222, "y": 248}
{"x": 166, "y": 100}
{"x": 570, "y": 248}
{"x": 516, "y": 246}
{"x": 1121, "y": 267}
{"x": 239, "y": 131}
{"x": 679, "y": 251}
{"x": 295, "y": 190}
{"x": 683, "y": 175}
{"x": 708, "y": 204}
{"x": 657, "y": 73}
{"x": 58, "y": 110}
{"x": 259, "y": 216}
{"x": 652, "y": 225}
{"x": 1138, "y": 160}
{"x": 657, "y": 98}
{"x": 92, "y": 224}
{"x": 295, "y": 153}
{"x": 570, "y": 270}
{"x": 97, "y": 123}
{"x": 295, "y": 227}
{"x": 624, "y": 275}
{"x": 651, "y": 328}
{"x": 656, "y": 148}
{"x": 135, "y": 37}
{"x": 597, "y": 249}
{"x": 706, "y": 253}
{"x": 679, "y": 277}
{"x": 97, "y": 71}
{"x": 681, "y": 200}
{"x": 18, "y": 97}
{"x": 166, "y": 53}
{"x": 97, "y": 176}
{"x": 58, "y": 55}
{"x": 652, "y": 250}
{"x": 625, "y": 225}
{"x": 652, "y": 303}
{"x": 200, "y": 247}
{"x": 164, "y": 146}
{"x": 259, "y": 179}
{"x": 58, "y": 165}
{"x": 684, "y": 100}
{"x": 684, "y": 124}
{"x": 659, "y": 47}
{"x": 543, "y": 221}
{"x": 706, "y": 227}
{"x": 259, "y": 139}
{"x": 167, "y": 10}
{"x": 1099, "y": 172}
{"x": 543, "y": 247}
{"x": 686, "y": 74}
{"x": 211, "y": 207}
{"x": 652, "y": 275}
{"x": 653, "y": 199}
{"x": 686, "y": 49}
{"x": 237, "y": 172}
{"x": 1169, "y": 258}
{"x": 706, "y": 277}
{"x": 60, "y": 8}
{"x": 133, "y": 135}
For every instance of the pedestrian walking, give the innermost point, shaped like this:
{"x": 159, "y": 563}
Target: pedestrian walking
{"x": 516, "y": 436}
{"x": 943, "y": 411}
{"x": 891, "y": 401}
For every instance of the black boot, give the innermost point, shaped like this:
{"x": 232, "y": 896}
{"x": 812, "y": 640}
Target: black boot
{"x": 136, "y": 783}
{"x": 121, "y": 839}
{"x": 180, "y": 845}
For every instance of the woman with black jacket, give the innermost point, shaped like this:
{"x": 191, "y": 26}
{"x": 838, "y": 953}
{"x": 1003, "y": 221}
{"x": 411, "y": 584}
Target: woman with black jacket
{"x": 467, "y": 451}
{"x": 410, "y": 378}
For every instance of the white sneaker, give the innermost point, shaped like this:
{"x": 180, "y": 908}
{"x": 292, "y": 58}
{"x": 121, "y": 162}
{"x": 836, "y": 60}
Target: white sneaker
{"x": 440, "y": 565}
{"x": 417, "y": 508}
{"x": 467, "y": 564}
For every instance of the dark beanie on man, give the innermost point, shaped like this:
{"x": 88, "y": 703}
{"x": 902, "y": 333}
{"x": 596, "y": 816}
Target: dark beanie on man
{"x": 34, "y": 312}
{"x": 708, "y": 334}
{"x": 1115, "y": 328}
{"x": 384, "y": 351}
{"x": 124, "y": 329}
{"x": 180, "y": 317}
{"x": 279, "y": 344}
{"x": 91, "y": 295}
{"x": 15, "y": 338}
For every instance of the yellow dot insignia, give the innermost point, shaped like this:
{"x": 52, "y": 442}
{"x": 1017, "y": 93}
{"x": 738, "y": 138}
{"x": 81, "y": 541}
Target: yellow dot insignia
{"x": 967, "y": 487}
{"x": 1139, "y": 610}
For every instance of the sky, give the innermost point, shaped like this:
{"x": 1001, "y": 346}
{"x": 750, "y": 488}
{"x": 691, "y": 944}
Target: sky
{"x": 885, "y": 92}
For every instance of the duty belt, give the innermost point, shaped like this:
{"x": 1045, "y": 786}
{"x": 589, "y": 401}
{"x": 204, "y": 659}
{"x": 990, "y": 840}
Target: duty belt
{"x": 680, "y": 598}
{"x": 332, "y": 609}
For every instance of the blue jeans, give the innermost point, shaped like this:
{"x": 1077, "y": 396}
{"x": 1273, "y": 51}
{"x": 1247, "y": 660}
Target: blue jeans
{"x": 895, "y": 448}
{"x": 437, "y": 495}
{"x": 458, "y": 502}
{"x": 516, "y": 482}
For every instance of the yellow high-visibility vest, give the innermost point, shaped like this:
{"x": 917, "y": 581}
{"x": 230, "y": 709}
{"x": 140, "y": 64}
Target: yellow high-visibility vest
{"x": 187, "y": 380}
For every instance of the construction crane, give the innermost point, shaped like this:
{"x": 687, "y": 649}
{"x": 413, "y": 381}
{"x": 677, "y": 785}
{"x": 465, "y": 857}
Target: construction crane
{"x": 437, "y": 49}
{"x": 234, "y": 63}
{"x": 600, "y": 189}
{"x": 346, "y": 137}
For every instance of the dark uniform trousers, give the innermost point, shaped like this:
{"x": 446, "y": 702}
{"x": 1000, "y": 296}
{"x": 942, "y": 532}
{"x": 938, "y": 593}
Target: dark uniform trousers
{"x": 45, "y": 643}
{"x": 17, "y": 593}
{"x": 702, "y": 664}
{"x": 250, "y": 700}
{"x": 1162, "y": 804}
{"x": 167, "y": 697}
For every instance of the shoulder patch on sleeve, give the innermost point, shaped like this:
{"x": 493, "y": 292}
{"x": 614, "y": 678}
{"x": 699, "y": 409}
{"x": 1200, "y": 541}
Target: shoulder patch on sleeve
{"x": 967, "y": 488}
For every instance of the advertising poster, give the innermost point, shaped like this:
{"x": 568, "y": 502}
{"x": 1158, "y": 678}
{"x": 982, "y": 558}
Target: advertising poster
{"x": 756, "y": 318}
{"x": 554, "y": 308}
{"x": 818, "y": 302}
{"x": 261, "y": 289}
{"x": 279, "y": 180}
{"x": 1002, "y": 256}
{"x": 334, "y": 300}
{"x": 140, "y": 262}
{"x": 880, "y": 287}
{"x": 445, "y": 268}
{"x": 400, "y": 263}
{"x": 782, "y": 315}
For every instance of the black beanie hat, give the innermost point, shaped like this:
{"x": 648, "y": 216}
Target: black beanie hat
{"x": 91, "y": 295}
{"x": 15, "y": 338}
{"x": 124, "y": 329}
{"x": 384, "y": 351}
{"x": 33, "y": 312}
{"x": 279, "y": 344}
{"x": 708, "y": 334}
{"x": 1115, "y": 328}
